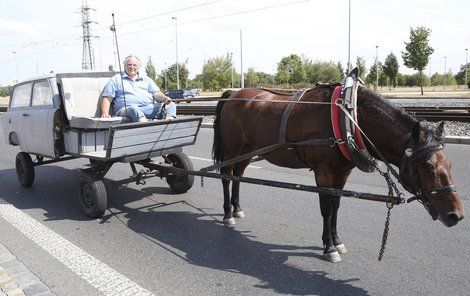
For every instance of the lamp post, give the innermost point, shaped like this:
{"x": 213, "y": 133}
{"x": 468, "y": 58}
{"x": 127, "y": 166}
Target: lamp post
{"x": 16, "y": 65}
{"x": 445, "y": 72}
{"x": 376, "y": 67}
{"x": 231, "y": 67}
{"x": 166, "y": 80}
{"x": 349, "y": 39}
{"x": 466, "y": 67}
{"x": 177, "y": 66}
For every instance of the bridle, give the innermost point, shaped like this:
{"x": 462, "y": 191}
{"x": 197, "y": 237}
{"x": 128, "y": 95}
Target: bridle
{"x": 411, "y": 159}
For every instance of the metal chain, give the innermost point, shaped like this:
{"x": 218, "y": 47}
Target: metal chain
{"x": 385, "y": 233}
{"x": 397, "y": 198}
{"x": 202, "y": 182}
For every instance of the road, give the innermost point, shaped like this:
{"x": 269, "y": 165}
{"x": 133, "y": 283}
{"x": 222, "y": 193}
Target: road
{"x": 151, "y": 240}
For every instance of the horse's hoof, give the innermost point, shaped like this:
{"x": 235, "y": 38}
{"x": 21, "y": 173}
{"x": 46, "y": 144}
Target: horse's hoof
{"x": 333, "y": 257}
{"x": 341, "y": 249}
{"x": 239, "y": 214}
{"x": 229, "y": 221}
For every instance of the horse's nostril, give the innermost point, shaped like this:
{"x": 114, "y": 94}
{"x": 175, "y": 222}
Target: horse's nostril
{"x": 453, "y": 218}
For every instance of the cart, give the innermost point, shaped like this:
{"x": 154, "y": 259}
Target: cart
{"x": 56, "y": 118}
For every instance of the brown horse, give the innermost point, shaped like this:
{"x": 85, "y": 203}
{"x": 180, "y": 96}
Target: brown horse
{"x": 249, "y": 120}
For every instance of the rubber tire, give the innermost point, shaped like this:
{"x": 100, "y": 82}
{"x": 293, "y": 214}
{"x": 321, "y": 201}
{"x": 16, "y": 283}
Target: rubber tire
{"x": 24, "y": 169}
{"x": 92, "y": 194}
{"x": 180, "y": 184}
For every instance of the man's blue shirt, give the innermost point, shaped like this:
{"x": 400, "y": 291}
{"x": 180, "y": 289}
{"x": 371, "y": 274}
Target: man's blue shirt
{"x": 139, "y": 92}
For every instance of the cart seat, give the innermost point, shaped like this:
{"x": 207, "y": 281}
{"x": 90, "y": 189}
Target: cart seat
{"x": 82, "y": 102}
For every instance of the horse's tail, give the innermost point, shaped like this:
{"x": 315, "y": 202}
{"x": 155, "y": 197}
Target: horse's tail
{"x": 217, "y": 148}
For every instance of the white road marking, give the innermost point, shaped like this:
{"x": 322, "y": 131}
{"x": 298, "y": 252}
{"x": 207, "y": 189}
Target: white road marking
{"x": 210, "y": 160}
{"x": 98, "y": 274}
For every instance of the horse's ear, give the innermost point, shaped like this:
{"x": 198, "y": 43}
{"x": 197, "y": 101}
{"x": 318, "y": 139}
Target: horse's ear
{"x": 418, "y": 133}
{"x": 440, "y": 130}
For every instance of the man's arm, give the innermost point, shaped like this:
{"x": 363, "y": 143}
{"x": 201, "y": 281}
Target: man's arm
{"x": 105, "y": 104}
{"x": 161, "y": 98}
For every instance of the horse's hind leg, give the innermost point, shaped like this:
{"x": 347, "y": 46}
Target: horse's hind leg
{"x": 238, "y": 170}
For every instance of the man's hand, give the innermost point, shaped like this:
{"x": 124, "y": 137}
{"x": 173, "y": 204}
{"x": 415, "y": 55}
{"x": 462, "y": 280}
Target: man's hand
{"x": 167, "y": 100}
{"x": 105, "y": 116}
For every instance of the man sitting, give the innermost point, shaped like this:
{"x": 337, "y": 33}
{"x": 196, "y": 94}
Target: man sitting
{"x": 141, "y": 99}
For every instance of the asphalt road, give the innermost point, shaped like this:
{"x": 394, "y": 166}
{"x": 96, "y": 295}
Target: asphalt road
{"x": 170, "y": 244}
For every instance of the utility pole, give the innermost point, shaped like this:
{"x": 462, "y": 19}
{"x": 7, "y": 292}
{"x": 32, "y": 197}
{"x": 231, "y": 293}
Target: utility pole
{"x": 242, "y": 78}
{"x": 177, "y": 66}
{"x": 16, "y": 64}
{"x": 349, "y": 39}
{"x": 466, "y": 67}
{"x": 376, "y": 67}
{"x": 231, "y": 67}
{"x": 88, "y": 62}
{"x": 445, "y": 72}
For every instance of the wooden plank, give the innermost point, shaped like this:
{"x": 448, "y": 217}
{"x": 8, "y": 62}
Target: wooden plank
{"x": 150, "y": 147}
{"x": 156, "y": 128}
{"x": 137, "y": 139}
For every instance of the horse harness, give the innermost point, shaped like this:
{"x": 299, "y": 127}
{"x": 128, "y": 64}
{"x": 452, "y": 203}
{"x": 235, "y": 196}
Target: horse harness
{"x": 411, "y": 158}
{"x": 345, "y": 128}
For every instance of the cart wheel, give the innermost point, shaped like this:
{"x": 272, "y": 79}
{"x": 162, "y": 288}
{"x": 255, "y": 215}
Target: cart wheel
{"x": 24, "y": 169}
{"x": 92, "y": 194}
{"x": 180, "y": 184}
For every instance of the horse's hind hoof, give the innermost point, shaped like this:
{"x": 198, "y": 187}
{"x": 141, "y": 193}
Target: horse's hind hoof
{"x": 229, "y": 221}
{"x": 332, "y": 257}
{"x": 239, "y": 214}
{"x": 341, "y": 249}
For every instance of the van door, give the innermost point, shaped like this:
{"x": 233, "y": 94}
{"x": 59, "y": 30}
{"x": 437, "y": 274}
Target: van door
{"x": 31, "y": 117}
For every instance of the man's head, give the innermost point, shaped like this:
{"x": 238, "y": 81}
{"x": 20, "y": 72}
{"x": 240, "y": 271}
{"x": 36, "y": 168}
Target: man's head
{"x": 131, "y": 65}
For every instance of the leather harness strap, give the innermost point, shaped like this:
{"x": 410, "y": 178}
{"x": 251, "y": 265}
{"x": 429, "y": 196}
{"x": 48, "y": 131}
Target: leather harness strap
{"x": 283, "y": 128}
{"x": 285, "y": 116}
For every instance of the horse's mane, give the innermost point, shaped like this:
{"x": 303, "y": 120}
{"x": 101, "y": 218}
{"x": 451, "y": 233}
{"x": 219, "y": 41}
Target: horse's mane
{"x": 381, "y": 109}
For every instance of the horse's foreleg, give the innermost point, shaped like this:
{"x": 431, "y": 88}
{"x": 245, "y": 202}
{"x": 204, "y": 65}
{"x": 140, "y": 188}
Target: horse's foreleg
{"x": 330, "y": 253}
{"x": 228, "y": 217}
{"x": 338, "y": 182}
{"x": 238, "y": 170}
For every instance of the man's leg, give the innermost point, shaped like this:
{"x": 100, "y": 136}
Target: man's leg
{"x": 133, "y": 112}
{"x": 170, "y": 111}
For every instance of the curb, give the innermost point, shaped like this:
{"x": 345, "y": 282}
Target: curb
{"x": 16, "y": 279}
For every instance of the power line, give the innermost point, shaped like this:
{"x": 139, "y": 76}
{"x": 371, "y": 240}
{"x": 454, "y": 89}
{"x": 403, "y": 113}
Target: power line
{"x": 170, "y": 12}
{"x": 220, "y": 16}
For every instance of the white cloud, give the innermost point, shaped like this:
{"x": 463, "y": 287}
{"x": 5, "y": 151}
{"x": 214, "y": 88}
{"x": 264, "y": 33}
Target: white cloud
{"x": 15, "y": 27}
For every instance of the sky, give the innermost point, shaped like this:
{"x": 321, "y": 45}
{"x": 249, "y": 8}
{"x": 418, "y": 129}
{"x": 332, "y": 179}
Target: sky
{"x": 42, "y": 36}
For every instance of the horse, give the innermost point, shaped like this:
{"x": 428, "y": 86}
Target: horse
{"x": 250, "y": 119}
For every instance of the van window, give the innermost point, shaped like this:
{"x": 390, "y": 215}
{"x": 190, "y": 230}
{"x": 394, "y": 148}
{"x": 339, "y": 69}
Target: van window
{"x": 42, "y": 94}
{"x": 21, "y": 96}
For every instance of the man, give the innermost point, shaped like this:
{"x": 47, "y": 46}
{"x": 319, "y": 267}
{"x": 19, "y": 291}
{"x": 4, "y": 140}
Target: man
{"x": 141, "y": 98}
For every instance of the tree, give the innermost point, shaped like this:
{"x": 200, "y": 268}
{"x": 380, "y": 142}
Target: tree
{"x": 372, "y": 76}
{"x": 323, "y": 72}
{"x": 418, "y": 50}
{"x": 217, "y": 73}
{"x": 150, "y": 69}
{"x": 171, "y": 76}
{"x": 391, "y": 69}
{"x": 290, "y": 70}
{"x": 361, "y": 65}
{"x": 252, "y": 78}
{"x": 460, "y": 77}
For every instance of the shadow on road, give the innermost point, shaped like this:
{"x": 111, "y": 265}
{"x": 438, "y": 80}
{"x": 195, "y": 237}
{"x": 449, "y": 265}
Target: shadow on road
{"x": 205, "y": 240}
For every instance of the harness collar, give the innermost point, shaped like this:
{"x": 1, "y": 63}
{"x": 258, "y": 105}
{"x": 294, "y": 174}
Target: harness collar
{"x": 345, "y": 124}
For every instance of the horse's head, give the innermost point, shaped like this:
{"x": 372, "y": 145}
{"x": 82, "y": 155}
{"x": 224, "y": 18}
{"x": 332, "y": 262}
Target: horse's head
{"x": 425, "y": 172}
